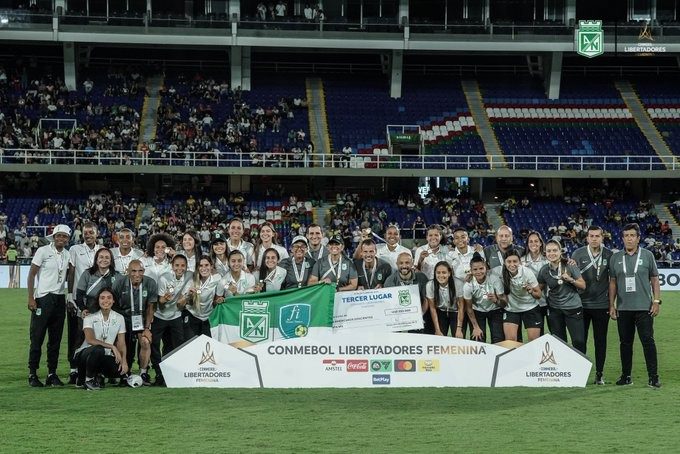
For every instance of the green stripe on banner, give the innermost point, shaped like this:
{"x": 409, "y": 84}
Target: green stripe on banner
{"x": 285, "y": 314}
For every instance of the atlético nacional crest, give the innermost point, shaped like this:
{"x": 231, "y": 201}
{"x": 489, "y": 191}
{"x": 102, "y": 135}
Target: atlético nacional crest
{"x": 589, "y": 38}
{"x": 294, "y": 320}
{"x": 404, "y": 298}
{"x": 254, "y": 321}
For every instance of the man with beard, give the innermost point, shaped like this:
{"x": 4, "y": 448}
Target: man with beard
{"x": 407, "y": 275}
{"x": 372, "y": 272}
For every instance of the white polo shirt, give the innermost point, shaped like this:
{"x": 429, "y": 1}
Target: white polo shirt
{"x": 383, "y": 252}
{"x": 53, "y": 269}
{"x": 155, "y": 270}
{"x": 246, "y": 248}
{"x": 123, "y": 261}
{"x": 104, "y": 330}
{"x": 283, "y": 254}
{"x": 460, "y": 263}
{"x": 429, "y": 262}
{"x": 81, "y": 258}
{"x": 244, "y": 284}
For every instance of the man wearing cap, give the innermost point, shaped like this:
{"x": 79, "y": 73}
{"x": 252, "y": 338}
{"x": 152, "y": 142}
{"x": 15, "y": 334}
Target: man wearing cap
{"x": 315, "y": 248}
{"x": 47, "y": 303}
{"x": 125, "y": 252}
{"x": 81, "y": 257}
{"x": 335, "y": 268}
{"x": 391, "y": 249}
{"x": 372, "y": 272}
{"x": 298, "y": 266}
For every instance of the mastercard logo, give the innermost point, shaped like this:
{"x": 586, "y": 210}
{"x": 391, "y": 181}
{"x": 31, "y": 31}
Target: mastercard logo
{"x": 405, "y": 365}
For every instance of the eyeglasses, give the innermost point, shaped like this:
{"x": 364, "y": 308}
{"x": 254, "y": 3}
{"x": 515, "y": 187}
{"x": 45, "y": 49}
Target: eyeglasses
{"x": 296, "y": 247}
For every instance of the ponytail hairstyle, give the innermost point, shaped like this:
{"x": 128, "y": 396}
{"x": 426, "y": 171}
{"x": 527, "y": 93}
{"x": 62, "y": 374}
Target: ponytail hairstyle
{"x": 506, "y": 274}
{"x": 478, "y": 258}
{"x": 450, "y": 284}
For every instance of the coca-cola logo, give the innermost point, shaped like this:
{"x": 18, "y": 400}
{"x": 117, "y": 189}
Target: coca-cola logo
{"x": 357, "y": 365}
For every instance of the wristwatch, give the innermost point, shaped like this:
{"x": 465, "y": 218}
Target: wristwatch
{"x": 657, "y": 302}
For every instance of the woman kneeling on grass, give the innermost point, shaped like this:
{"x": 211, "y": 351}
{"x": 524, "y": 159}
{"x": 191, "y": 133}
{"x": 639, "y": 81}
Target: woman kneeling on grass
{"x": 103, "y": 351}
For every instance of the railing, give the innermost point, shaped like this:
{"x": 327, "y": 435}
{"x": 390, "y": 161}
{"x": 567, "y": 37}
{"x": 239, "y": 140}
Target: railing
{"x": 15, "y": 157}
{"x": 545, "y": 31}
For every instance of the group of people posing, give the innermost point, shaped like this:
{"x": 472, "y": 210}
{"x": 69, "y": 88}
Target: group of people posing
{"x": 123, "y": 303}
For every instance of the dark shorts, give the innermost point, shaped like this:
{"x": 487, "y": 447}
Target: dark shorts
{"x": 533, "y": 318}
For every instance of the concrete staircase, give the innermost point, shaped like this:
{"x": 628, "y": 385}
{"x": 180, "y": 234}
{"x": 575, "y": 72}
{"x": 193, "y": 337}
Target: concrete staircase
{"x": 492, "y": 214}
{"x": 318, "y": 121}
{"x": 664, "y": 215}
{"x": 321, "y": 214}
{"x": 149, "y": 120}
{"x": 643, "y": 121}
{"x": 484, "y": 128}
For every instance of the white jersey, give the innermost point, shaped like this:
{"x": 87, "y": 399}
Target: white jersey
{"x": 460, "y": 263}
{"x": 81, "y": 257}
{"x": 205, "y": 293}
{"x": 245, "y": 283}
{"x": 104, "y": 330}
{"x": 384, "y": 253}
{"x": 519, "y": 300}
{"x": 154, "y": 269}
{"x": 52, "y": 273}
{"x": 283, "y": 254}
{"x": 273, "y": 279}
{"x": 427, "y": 267}
{"x": 123, "y": 261}
{"x": 177, "y": 288}
{"x": 246, "y": 248}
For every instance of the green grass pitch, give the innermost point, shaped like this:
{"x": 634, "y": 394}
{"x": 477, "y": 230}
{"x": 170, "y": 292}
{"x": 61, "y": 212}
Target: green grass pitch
{"x": 600, "y": 419}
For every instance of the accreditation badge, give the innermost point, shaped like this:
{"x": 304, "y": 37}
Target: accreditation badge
{"x": 630, "y": 284}
{"x": 137, "y": 323}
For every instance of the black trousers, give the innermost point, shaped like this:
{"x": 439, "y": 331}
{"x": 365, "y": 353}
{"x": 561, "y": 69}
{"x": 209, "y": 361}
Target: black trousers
{"x": 158, "y": 329}
{"x": 193, "y": 326}
{"x": 494, "y": 320}
{"x": 52, "y": 310}
{"x": 94, "y": 361}
{"x": 628, "y": 322}
{"x": 75, "y": 336}
{"x": 600, "y": 321}
{"x": 561, "y": 320}
{"x": 448, "y": 319}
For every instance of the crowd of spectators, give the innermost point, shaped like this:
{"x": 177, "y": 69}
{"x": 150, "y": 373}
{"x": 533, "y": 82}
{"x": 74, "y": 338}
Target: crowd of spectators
{"x": 203, "y": 116}
{"x": 106, "y": 116}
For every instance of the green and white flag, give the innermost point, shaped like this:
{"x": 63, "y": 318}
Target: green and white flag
{"x": 266, "y": 317}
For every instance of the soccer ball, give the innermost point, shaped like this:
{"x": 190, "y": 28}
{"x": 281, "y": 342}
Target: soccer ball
{"x": 135, "y": 381}
{"x": 301, "y": 331}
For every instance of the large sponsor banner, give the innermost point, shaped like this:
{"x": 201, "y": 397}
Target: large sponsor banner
{"x": 365, "y": 360}
{"x": 669, "y": 278}
{"x": 205, "y": 363}
{"x": 265, "y": 317}
{"x": 385, "y": 309}
{"x": 375, "y": 360}
{"x": 543, "y": 362}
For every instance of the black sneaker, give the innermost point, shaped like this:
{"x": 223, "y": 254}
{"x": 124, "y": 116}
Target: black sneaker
{"x": 654, "y": 382}
{"x": 122, "y": 381}
{"x": 80, "y": 382}
{"x": 73, "y": 378}
{"x": 160, "y": 381}
{"x": 599, "y": 379}
{"x": 92, "y": 385}
{"x": 624, "y": 380}
{"x": 146, "y": 380}
{"x": 34, "y": 381}
{"x": 53, "y": 380}
{"x": 113, "y": 381}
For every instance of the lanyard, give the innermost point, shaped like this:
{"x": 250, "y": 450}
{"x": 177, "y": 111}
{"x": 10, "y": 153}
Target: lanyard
{"x": 237, "y": 282}
{"x": 369, "y": 282}
{"x": 205, "y": 284}
{"x": 409, "y": 282}
{"x": 132, "y": 297}
{"x": 594, "y": 262}
{"x": 125, "y": 260}
{"x": 270, "y": 276}
{"x": 559, "y": 272}
{"x": 93, "y": 286}
{"x": 480, "y": 286}
{"x": 106, "y": 325}
{"x": 334, "y": 269}
{"x": 299, "y": 276}
{"x": 60, "y": 260}
{"x": 90, "y": 254}
{"x": 220, "y": 264}
{"x": 637, "y": 261}
{"x": 319, "y": 254}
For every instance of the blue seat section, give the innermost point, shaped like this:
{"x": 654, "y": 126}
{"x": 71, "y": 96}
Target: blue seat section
{"x": 662, "y": 93}
{"x": 577, "y": 137}
{"x": 544, "y": 214}
{"x": 359, "y": 109}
